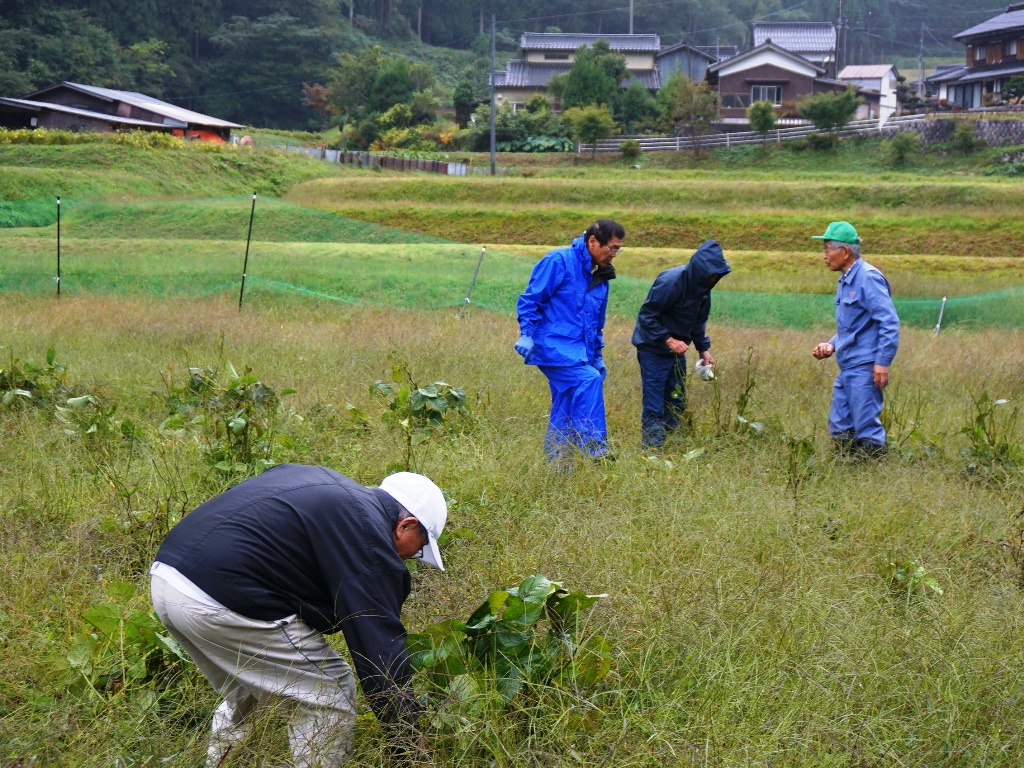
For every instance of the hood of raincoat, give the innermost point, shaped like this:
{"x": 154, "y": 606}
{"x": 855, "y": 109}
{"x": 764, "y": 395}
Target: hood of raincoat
{"x": 678, "y": 303}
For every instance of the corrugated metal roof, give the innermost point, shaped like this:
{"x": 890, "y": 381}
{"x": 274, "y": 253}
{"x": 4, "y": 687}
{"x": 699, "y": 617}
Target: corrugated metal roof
{"x": 797, "y": 36}
{"x": 519, "y": 73}
{"x": 39, "y": 106}
{"x": 854, "y": 71}
{"x": 551, "y": 41}
{"x": 1007, "y": 20}
{"x": 178, "y": 117}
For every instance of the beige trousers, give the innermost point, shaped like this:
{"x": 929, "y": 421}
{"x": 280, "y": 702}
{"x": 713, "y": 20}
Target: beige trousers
{"x": 255, "y": 664}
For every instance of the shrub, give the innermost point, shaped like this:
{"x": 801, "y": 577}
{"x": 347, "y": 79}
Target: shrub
{"x": 964, "y": 138}
{"x": 631, "y": 149}
{"x": 902, "y": 147}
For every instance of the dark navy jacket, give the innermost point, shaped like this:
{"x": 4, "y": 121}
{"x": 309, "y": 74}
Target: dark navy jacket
{"x": 307, "y": 541}
{"x": 563, "y": 308}
{"x": 679, "y": 302}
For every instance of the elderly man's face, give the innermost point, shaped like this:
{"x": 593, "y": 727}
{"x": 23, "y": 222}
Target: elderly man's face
{"x": 838, "y": 257}
{"x": 602, "y": 255}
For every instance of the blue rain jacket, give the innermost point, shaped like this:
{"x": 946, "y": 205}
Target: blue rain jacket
{"x": 679, "y": 302}
{"x": 867, "y": 327}
{"x": 563, "y": 308}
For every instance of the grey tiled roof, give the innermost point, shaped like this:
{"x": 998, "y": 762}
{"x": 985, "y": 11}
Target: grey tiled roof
{"x": 519, "y": 73}
{"x": 797, "y": 36}
{"x": 1008, "y": 20}
{"x": 1003, "y": 69}
{"x": 720, "y": 52}
{"x": 683, "y": 47}
{"x": 176, "y": 116}
{"x": 946, "y": 73}
{"x": 550, "y": 41}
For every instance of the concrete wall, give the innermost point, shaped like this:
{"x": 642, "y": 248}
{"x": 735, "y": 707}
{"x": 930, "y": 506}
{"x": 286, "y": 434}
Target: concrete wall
{"x": 995, "y": 133}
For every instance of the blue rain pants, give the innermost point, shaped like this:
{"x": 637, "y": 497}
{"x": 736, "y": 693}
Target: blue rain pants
{"x": 577, "y": 410}
{"x": 662, "y": 378}
{"x": 856, "y": 406}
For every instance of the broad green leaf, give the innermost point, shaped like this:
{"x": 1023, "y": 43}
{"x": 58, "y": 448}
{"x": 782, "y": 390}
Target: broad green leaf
{"x": 120, "y": 591}
{"x": 536, "y": 588}
{"x": 106, "y": 617}
{"x": 592, "y": 661}
{"x": 80, "y": 402}
{"x": 51, "y": 355}
{"x": 487, "y": 613}
{"x": 171, "y": 646}
{"x": 288, "y": 391}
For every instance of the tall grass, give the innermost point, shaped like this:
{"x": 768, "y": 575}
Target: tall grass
{"x": 751, "y": 622}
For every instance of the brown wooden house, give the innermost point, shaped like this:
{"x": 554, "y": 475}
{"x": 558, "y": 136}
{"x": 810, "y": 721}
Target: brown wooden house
{"x": 771, "y": 73}
{"x": 77, "y": 107}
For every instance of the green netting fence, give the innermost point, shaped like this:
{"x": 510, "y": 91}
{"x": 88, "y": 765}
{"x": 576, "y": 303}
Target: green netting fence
{"x": 195, "y": 248}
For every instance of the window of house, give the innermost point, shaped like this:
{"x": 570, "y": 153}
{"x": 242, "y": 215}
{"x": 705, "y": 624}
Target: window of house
{"x": 772, "y": 93}
{"x": 556, "y": 57}
{"x": 980, "y": 53}
{"x": 1010, "y": 48}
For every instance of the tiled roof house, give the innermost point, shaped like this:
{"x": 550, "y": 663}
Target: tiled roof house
{"x": 995, "y": 53}
{"x": 546, "y": 54}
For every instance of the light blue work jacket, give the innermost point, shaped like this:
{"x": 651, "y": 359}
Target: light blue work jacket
{"x": 867, "y": 327}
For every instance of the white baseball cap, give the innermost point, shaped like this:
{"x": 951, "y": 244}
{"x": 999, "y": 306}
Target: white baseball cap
{"x": 424, "y": 501}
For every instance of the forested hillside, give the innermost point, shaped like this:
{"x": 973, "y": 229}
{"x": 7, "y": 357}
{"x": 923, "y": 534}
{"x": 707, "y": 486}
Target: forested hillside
{"x": 248, "y": 61}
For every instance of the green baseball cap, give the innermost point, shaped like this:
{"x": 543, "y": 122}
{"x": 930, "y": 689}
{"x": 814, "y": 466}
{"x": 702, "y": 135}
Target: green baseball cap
{"x": 840, "y": 231}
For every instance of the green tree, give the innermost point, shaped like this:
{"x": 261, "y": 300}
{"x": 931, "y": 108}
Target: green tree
{"x": 147, "y": 61}
{"x": 1014, "y": 88}
{"x": 635, "y": 106}
{"x": 392, "y": 85}
{"x": 259, "y": 65}
{"x": 831, "y": 110}
{"x": 465, "y": 101}
{"x": 687, "y": 106}
{"x": 594, "y": 77}
{"x": 590, "y": 124}
{"x": 761, "y": 115}
{"x": 349, "y": 83}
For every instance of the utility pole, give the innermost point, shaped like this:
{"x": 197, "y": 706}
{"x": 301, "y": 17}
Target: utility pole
{"x": 839, "y": 36}
{"x": 920, "y": 65}
{"x": 494, "y": 169}
{"x": 631, "y": 17}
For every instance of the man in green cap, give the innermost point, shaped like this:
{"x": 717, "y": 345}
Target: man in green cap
{"x": 867, "y": 335}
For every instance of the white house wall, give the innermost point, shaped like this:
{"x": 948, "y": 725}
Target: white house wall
{"x": 768, "y": 58}
{"x": 634, "y": 61}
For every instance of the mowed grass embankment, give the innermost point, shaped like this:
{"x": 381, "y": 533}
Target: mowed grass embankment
{"x": 897, "y": 213}
{"x": 751, "y": 612}
{"x": 30, "y": 172}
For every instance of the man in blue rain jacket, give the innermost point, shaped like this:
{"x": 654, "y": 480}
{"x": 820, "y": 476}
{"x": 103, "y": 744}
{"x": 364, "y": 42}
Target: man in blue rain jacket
{"x": 865, "y": 343}
{"x": 561, "y": 323}
{"x": 673, "y": 317}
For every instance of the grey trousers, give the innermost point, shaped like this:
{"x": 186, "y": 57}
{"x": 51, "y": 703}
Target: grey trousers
{"x": 255, "y": 664}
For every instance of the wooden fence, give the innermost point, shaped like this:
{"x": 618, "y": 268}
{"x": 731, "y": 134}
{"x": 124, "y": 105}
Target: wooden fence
{"x": 372, "y": 160}
{"x": 740, "y": 138}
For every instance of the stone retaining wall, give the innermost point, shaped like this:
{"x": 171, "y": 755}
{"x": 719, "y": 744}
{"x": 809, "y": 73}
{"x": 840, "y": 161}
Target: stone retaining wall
{"x": 995, "y": 133}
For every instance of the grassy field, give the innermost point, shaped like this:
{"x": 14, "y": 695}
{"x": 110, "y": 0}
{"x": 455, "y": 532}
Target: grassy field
{"x": 753, "y": 615}
{"x": 770, "y": 602}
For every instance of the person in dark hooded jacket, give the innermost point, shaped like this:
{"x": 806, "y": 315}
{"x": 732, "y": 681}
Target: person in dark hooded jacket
{"x": 672, "y": 318}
